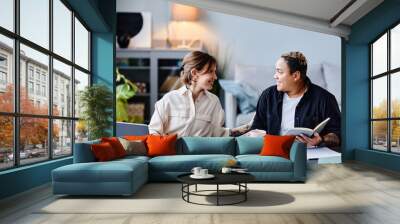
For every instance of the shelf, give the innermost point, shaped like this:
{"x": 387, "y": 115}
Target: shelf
{"x": 134, "y": 67}
{"x": 152, "y": 67}
{"x": 142, "y": 94}
{"x": 169, "y": 67}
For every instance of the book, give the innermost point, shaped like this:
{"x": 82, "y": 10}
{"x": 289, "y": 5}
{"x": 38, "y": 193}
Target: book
{"x": 307, "y": 131}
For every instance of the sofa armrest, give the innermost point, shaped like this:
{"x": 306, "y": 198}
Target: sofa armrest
{"x": 298, "y": 155}
{"x": 230, "y": 110}
{"x": 83, "y": 152}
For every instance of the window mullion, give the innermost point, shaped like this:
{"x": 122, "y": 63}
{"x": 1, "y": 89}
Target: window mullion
{"x": 50, "y": 81}
{"x": 16, "y": 85}
{"x": 73, "y": 82}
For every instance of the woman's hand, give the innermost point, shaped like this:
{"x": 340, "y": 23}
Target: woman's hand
{"x": 314, "y": 141}
{"x": 240, "y": 130}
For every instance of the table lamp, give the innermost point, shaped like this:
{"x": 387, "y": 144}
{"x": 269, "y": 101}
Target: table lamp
{"x": 183, "y": 15}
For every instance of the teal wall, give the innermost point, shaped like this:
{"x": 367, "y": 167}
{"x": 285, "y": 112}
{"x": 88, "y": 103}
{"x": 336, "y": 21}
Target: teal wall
{"x": 356, "y": 113}
{"x": 100, "y": 17}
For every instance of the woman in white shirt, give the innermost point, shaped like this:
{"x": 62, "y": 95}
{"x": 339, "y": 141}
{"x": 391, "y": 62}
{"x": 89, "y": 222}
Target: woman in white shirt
{"x": 191, "y": 110}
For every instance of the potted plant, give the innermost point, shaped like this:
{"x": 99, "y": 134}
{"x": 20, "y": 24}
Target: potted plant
{"x": 124, "y": 92}
{"x": 96, "y": 104}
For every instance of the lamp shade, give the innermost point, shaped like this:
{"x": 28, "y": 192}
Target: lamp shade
{"x": 184, "y": 13}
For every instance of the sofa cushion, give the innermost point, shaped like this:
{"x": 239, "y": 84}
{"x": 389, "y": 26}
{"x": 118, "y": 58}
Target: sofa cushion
{"x": 112, "y": 171}
{"x": 257, "y": 163}
{"x": 185, "y": 163}
{"x": 160, "y": 145}
{"x": 116, "y": 145}
{"x": 275, "y": 145}
{"x": 136, "y": 147}
{"x": 249, "y": 145}
{"x": 247, "y": 96}
{"x": 103, "y": 151}
{"x": 206, "y": 145}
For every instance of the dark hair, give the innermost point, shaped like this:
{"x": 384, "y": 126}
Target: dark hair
{"x": 195, "y": 60}
{"x": 296, "y": 62}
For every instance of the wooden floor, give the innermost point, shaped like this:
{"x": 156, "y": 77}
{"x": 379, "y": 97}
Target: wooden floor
{"x": 377, "y": 188}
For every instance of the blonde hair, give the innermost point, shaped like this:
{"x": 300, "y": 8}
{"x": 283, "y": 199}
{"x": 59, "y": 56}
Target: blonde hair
{"x": 296, "y": 62}
{"x": 195, "y": 60}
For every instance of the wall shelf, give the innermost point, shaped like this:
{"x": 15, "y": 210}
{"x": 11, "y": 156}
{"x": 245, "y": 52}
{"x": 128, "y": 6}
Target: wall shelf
{"x": 149, "y": 68}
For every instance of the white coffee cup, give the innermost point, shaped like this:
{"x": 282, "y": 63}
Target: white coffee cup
{"x": 226, "y": 170}
{"x": 196, "y": 170}
{"x": 203, "y": 172}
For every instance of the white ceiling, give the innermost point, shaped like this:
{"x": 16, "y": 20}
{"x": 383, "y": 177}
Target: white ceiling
{"x": 325, "y": 16}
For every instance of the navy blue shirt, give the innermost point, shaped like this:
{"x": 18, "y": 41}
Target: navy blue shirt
{"x": 316, "y": 105}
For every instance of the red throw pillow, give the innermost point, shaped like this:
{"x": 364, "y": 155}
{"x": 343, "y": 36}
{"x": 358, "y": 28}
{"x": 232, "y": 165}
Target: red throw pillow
{"x": 136, "y": 137}
{"x": 103, "y": 151}
{"x": 116, "y": 145}
{"x": 159, "y": 145}
{"x": 277, "y": 145}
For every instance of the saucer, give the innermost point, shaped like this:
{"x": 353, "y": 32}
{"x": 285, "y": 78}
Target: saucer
{"x": 208, "y": 176}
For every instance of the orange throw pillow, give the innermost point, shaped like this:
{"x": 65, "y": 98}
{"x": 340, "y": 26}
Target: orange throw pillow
{"x": 159, "y": 145}
{"x": 116, "y": 145}
{"x": 103, "y": 151}
{"x": 136, "y": 137}
{"x": 277, "y": 145}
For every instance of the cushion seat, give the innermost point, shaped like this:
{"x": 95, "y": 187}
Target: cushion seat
{"x": 118, "y": 177}
{"x": 93, "y": 172}
{"x": 184, "y": 163}
{"x": 257, "y": 163}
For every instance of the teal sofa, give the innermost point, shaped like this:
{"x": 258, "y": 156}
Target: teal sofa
{"x": 125, "y": 176}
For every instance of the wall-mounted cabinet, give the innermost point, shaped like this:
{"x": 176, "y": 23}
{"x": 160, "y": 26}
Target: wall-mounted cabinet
{"x": 154, "y": 71}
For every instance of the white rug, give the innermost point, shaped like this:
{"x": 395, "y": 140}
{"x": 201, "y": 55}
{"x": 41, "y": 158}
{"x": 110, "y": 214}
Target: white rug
{"x": 166, "y": 198}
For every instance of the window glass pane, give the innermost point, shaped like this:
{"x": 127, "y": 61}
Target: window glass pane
{"x": 33, "y": 139}
{"x": 6, "y": 74}
{"x": 379, "y": 135}
{"x": 379, "y": 97}
{"x": 395, "y": 136}
{"x": 379, "y": 55}
{"x": 62, "y": 29}
{"x": 7, "y": 14}
{"x": 62, "y": 138}
{"x": 35, "y": 21}
{"x": 36, "y": 102}
{"x": 81, "y": 81}
{"x": 81, "y": 45}
{"x": 62, "y": 89}
{"x": 395, "y": 47}
{"x": 6, "y": 142}
{"x": 395, "y": 95}
{"x": 81, "y": 131}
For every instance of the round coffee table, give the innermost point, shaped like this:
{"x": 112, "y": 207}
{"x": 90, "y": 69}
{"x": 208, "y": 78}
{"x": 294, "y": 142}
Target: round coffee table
{"x": 238, "y": 179}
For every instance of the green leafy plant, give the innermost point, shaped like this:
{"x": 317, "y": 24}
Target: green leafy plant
{"x": 96, "y": 104}
{"x": 125, "y": 91}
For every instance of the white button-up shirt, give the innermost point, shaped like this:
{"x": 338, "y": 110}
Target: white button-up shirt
{"x": 177, "y": 113}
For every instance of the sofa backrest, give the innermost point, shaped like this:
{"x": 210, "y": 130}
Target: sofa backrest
{"x": 249, "y": 145}
{"x": 206, "y": 145}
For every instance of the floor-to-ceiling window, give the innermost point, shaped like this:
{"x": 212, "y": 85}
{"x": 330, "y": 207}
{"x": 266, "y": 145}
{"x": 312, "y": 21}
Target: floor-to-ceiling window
{"x": 44, "y": 64}
{"x": 385, "y": 91}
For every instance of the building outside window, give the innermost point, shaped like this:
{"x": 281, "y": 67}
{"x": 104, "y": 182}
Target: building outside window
{"x": 385, "y": 96}
{"x": 3, "y": 72}
{"x": 30, "y": 87}
{"x": 61, "y": 128}
{"x": 3, "y": 78}
{"x": 43, "y": 90}
{"x": 30, "y": 72}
